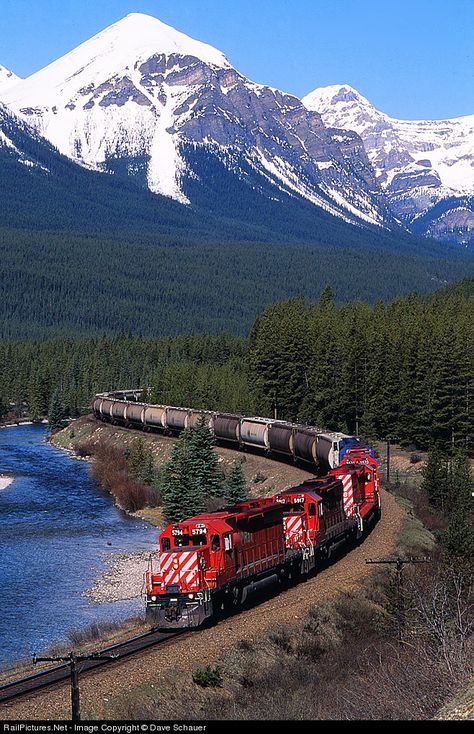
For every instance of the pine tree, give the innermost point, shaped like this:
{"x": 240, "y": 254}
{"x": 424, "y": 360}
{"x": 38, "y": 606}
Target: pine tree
{"x": 458, "y": 539}
{"x": 55, "y": 413}
{"x": 141, "y": 462}
{"x": 181, "y": 496}
{"x": 205, "y": 460}
{"x": 235, "y": 487}
{"x": 191, "y": 477}
{"x": 436, "y": 482}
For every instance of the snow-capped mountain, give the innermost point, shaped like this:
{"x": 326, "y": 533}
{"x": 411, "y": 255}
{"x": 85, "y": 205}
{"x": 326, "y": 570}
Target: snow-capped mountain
{"x": 426, "y": 167}
{"x": 141, "y": 98}
{"x": 7, "y": 78}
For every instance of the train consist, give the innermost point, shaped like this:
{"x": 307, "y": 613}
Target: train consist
{"x": 322, "y": 450}
{"x": 215, "y": 560}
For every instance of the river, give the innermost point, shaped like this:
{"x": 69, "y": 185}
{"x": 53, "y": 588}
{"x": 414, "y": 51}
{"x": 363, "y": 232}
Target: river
{"x": 58, "y": 530}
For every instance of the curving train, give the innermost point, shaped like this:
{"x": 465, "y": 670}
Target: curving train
{"x": 322, "y": 450}
{"x": 215, "y": 560}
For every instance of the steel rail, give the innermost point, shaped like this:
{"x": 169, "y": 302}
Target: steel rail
{"x": 30, "y": 684}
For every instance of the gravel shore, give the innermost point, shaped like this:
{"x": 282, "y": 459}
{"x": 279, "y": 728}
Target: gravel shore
{"x": 124, "y": 579}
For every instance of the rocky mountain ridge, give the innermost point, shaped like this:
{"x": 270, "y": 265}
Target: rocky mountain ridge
{"x": 425, "y": 167}
{"x": 142, "y": 100}
{"x": 135, "y": 95}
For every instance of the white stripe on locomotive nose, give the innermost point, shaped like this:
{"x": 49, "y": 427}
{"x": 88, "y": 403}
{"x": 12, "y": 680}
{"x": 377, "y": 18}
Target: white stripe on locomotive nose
{"x": 188, "y": 559}
{"x": 167, "y": 562}
{"x": 188, "y": 562}
{"x": 291, "y": 522}
{"x": 191, "y": 577}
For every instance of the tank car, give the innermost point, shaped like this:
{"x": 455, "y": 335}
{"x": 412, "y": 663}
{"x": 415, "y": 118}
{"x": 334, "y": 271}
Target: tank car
{"x": 321, "y": 450}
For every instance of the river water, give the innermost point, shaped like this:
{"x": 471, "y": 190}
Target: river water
{"x": 57, "y": 532}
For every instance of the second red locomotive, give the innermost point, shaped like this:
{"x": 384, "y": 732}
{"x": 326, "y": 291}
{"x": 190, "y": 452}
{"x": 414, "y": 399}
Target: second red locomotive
{"x": 213, "y": 561}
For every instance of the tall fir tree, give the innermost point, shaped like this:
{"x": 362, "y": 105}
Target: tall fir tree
{"x": 436, "y": 482}
{"x": 55, "y": 413}
{"x": 235, "y": 487}
{"x": 206, "y": 471}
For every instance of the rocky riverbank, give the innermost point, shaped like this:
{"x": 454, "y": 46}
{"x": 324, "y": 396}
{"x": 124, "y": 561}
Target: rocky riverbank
{"x": 123, "y": 579}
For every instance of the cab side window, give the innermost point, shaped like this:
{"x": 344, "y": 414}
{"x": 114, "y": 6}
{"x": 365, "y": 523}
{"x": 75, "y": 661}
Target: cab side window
{"x": 165, "y": 544}
{"x": 215, "y": 543}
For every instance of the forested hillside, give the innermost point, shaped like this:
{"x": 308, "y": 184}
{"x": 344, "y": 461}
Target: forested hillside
{"x": 72, "y": 284}
{"x": 403, "y": 369}
{"x": 86, "y": 253}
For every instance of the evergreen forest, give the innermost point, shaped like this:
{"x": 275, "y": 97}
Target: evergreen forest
{"x": 402, "y": 369}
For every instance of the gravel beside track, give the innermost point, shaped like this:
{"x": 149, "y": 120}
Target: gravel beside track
{"x": 204, "y": 646}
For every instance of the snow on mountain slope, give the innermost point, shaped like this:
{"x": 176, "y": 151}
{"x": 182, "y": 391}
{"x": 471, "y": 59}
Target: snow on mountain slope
{"x": 418, "y": 163}
{"x": 7, "y": 78}
{"x": 18, "y": 140}
{"x": 134, "y": 95}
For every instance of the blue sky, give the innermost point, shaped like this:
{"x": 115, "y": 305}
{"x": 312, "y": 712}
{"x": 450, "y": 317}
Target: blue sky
{"x": 413, "y": 59}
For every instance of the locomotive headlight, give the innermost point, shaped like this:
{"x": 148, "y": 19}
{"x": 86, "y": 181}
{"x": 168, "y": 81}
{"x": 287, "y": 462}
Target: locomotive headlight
{"x": 153, "y": 598}
{"x": 190, "y": 596}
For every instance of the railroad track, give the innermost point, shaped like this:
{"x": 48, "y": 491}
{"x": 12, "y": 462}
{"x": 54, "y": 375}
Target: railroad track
{"x": 59, "y": 673}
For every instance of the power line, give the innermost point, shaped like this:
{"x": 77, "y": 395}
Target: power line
{"x": 72, "y": 661}
{"x": 399, "y": 564}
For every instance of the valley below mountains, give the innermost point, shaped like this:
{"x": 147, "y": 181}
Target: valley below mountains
{"x": 148, "y": 186}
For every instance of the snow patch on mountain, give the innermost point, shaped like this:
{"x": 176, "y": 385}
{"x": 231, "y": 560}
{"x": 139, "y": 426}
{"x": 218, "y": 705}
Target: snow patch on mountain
{"x": 7, "y": 79}
{"x": 417, "y": 163}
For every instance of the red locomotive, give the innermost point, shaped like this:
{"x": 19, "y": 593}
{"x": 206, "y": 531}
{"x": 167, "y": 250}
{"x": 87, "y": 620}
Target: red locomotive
{"x": 213, "y": 561}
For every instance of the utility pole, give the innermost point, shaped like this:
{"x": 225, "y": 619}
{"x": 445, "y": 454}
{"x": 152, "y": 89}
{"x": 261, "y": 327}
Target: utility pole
{"x": 388, "y": 460}
{"x": 275, "y": 407}
{"x": 73, "y": 660}
{"x": 388, "y": 440}
{"x": 399, "y": 564}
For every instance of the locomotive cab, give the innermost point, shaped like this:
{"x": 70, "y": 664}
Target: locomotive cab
{"x": 301, "y": 517}
{"x": 194, "y": 554}
{"x": 176, "y": 591}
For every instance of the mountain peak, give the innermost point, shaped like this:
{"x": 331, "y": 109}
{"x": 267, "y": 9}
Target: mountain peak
{"x": 323, "y": 98}
{"x": 140, "y": 33}
{"x": 117, "y": 49}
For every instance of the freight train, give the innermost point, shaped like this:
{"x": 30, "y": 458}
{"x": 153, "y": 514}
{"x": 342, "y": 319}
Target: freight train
{"x": 321, "y": 450}
{"x": 215, "y": 560}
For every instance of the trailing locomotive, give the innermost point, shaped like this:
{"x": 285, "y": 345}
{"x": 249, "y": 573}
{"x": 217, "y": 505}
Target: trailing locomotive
{"x": 322, "y": 450}
{"x": 214, "y": 560}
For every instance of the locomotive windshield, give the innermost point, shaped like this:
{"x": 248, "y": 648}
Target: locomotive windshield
{"x": 186, "y": 541}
